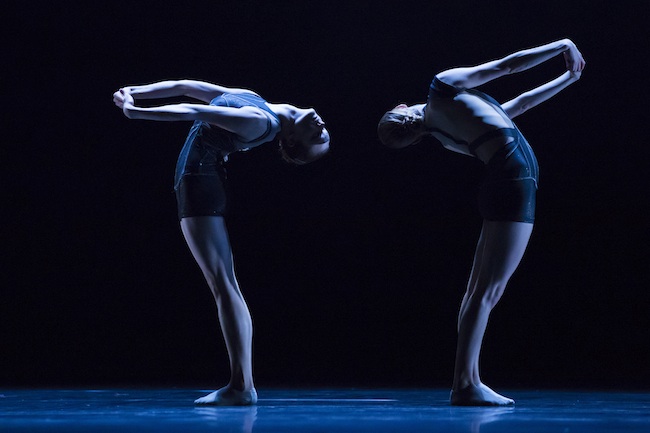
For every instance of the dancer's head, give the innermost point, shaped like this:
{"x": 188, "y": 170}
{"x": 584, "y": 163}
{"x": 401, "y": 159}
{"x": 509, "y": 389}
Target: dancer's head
{"x": 305, "y": 139}
{"x": 401, "y": 127}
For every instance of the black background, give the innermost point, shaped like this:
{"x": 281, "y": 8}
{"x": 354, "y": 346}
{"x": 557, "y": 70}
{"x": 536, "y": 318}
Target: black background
{"x": 353, "y": 267}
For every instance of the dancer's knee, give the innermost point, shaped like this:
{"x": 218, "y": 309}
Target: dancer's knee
{"x": 488, "y": 295}
{"x": 222, "y": 283}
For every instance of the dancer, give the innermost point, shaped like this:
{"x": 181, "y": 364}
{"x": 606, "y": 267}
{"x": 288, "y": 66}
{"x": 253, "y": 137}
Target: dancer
{"x": 226, "y": 120}
{"x": 470, "y": 122}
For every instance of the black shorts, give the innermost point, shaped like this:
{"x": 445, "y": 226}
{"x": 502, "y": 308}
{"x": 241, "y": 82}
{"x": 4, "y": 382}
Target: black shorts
{"x": 201, "y": 195}
{"x": 510, "y": 187}
{"x": 200, "y": 178}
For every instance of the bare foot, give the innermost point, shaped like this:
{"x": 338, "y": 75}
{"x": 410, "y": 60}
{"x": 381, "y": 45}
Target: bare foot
{"x": 478, "y": 395}
{"x": 227, "y": 396}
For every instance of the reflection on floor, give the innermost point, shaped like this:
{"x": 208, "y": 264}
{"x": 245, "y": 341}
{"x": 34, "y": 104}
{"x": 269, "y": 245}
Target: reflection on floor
{"x": 305, "y": 411}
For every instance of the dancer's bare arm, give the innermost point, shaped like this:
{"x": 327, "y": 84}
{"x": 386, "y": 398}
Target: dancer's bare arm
{"x": 536, "y": 96}
{"x": 201, "y": 90}
{"x": 247, "y": 122}
{"x": 469, "y": 77}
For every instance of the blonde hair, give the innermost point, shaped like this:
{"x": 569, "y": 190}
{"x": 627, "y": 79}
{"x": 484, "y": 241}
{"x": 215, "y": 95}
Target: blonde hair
{"x": 398, "y": 130}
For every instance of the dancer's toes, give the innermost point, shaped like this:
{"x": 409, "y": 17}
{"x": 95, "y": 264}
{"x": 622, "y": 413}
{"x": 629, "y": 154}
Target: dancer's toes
{"x": 478, "y": 395}
{"x": 229, "y": 397}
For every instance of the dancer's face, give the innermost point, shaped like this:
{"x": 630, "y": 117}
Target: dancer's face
{"x": 308, "y": 140}
{"x": 403, "y": 109}
{"x": 309, "y": 128}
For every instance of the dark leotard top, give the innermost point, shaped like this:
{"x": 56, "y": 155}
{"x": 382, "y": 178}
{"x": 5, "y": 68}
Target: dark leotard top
{"x": 217, "y": 141}
{"x": 229, "y": 142}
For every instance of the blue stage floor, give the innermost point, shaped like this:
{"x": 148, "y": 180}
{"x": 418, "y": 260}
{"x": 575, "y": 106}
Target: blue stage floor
{"x": 310, "y": 411}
